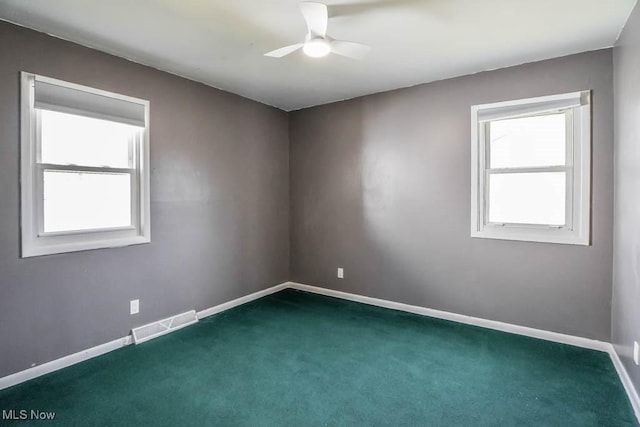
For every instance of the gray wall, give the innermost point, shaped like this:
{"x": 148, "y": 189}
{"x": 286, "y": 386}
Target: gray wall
{"x": 380, "y": 185}
{"x": 625, "y": 319}
{"x": 219, "y": 209}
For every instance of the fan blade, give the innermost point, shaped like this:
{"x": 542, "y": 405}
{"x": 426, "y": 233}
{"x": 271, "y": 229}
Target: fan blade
{"x": 349, "y": 49}
{"x": 316, "y": 16}
{"x": 283, "y": 51}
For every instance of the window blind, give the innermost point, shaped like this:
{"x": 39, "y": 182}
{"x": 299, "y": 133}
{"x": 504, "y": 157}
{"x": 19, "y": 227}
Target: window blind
{"x": 496, "y": 112}
{"x": 50, "y": 96}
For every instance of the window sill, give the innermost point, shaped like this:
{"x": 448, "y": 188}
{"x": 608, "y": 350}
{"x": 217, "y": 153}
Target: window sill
{"x": 44, "y": 247}
{"x": 550, "y": 235}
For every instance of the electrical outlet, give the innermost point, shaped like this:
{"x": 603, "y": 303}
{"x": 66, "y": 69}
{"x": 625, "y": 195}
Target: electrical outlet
{"x": 134, "y": 306}
{"x": 340, "y": 273}
{"x": 636, "y": 350}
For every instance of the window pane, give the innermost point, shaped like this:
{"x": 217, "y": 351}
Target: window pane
{"x": 528, "y": 141}
{"x": 527, "y": 198}
{"x": 82, "y": 201}
{"x": 68, "y": 139}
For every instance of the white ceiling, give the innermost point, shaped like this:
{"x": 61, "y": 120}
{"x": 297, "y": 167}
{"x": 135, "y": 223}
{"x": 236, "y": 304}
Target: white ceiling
{"x": 222, "y": 42}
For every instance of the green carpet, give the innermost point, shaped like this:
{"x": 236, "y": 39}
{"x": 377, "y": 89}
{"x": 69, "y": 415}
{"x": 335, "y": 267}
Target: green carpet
{"x": 297, "y": 359}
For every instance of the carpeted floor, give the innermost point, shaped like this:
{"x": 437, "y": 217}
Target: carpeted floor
{"x": 298, "y": 359}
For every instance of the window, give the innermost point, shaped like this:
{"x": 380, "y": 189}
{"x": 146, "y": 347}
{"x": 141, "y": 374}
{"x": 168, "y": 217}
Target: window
{"x": 84, "y": 168}
{"x": 530, "y": 169}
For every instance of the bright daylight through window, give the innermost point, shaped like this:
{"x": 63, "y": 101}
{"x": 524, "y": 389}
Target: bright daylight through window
{"x": 85, "y": 174}
{"x": 531, "y": 169}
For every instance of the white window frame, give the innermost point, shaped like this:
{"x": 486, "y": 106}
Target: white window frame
{"x": 35, "y": 241}
{"x": 576, "y": 230}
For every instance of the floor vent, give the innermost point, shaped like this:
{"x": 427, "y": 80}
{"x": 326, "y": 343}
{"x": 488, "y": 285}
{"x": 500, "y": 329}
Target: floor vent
{"x": 164, "y": 326}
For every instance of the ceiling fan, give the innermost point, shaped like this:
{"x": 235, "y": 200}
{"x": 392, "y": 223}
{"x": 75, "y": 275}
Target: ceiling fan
{"x": 317, "y": 43}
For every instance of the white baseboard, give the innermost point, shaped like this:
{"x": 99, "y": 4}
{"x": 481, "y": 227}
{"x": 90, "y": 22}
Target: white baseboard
{"x": 492, "y": 324}
{"x": 461, "y": 318}
{"x": 626, "y": 381}
{"x": 63, "y": 362}
{"x": 81, "y": 356}
{"x": 242, "y": 300}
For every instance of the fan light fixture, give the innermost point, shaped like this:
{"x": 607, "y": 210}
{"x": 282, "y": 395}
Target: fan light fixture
{"x": 316, "y": 48}
{"x": 317, "y": 43}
